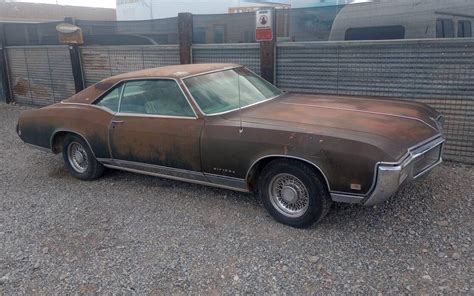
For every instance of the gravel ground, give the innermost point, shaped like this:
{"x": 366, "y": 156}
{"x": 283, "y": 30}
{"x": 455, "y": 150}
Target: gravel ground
{"x": 132, "y": 234}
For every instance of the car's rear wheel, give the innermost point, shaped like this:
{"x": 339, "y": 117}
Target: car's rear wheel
{"x": 79, "y": 159}
{"x": 293, "y": 193}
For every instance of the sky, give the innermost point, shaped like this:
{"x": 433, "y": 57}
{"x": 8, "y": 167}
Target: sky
{"x": 92, "y": 3}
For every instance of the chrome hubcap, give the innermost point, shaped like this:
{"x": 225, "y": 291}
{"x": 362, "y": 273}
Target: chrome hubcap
{"x": 289, "y": 195}
{"x": 77, "y": 157}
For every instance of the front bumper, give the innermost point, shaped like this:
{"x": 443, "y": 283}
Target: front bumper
{"x": 390, "y": 176}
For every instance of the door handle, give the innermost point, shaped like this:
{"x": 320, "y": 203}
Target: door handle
{"x": 114, "y": 123}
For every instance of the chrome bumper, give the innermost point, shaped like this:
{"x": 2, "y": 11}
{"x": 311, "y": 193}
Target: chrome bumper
{"x": 390, "y": 176}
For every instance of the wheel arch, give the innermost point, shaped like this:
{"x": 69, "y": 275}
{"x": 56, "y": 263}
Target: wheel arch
{"x": 58, "y": 137}
{"x": 257, "y": 166}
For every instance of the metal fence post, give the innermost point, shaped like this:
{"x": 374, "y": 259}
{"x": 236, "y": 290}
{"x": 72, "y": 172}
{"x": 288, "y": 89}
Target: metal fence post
{"x": 185, "y": 36}
{"x": 75, "y": 55}
{"x": 4, "y": 66}
{"x": 268, "y": 54}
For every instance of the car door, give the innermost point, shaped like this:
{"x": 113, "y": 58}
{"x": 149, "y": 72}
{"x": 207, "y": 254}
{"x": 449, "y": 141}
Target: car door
{"x": 156, "y": 130}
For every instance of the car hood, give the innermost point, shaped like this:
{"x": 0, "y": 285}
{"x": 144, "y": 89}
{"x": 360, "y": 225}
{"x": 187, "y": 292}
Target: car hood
{"x": 393, "y": 126}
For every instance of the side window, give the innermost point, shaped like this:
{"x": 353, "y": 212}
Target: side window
{"x": 464, "y": 29}
{"x": 155, "y": 97}
{"x": 376, "y": 33}
{"x": 444, "y": 28}
{"x": 111, "y": 99}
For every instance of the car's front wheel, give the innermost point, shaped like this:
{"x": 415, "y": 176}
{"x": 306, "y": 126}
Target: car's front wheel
{"x": 293, "y": 193}
{"x": 79, "y": 159}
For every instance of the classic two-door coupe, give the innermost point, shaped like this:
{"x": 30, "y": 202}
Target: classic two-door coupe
{"x": 222, "y": 125}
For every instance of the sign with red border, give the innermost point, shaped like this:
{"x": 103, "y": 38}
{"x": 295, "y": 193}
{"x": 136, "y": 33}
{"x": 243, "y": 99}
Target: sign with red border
{"x": 264, "y": 25}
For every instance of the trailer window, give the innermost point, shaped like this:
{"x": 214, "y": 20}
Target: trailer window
{"x": 444, "y": 28}
{"x": 376, "y": 33}
{"x": 464, "y": 29}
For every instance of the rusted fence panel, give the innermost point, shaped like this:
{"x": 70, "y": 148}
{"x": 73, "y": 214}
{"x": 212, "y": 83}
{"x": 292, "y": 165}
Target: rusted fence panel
{"x": 439, "y": 73}
{"x": 99, "y": 62}
{"x": 40, "y": 75}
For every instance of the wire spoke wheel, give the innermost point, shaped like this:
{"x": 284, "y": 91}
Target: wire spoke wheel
{"x": 289, "y": 195}
{"x": 77, "y": 157}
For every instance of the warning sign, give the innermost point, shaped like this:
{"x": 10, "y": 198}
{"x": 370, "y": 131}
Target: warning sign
{"x": 264, "y": 28}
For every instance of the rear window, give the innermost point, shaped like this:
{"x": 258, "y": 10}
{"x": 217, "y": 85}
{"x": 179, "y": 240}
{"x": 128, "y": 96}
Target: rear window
{"x": 376, "y": 33}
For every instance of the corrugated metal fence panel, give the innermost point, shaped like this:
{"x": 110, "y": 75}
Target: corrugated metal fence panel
{"x": 247, "y": 54}
{"x": 99, "y": 62}
{"x": 439, "y": 73}
{"x": 40, "y": 75}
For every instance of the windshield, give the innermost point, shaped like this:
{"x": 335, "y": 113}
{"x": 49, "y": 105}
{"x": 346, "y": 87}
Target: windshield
{"x": 219, "y": 91}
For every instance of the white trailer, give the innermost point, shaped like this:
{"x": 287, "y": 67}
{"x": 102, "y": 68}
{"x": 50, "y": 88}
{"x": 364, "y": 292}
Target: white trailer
{"x": 404, "y": 19}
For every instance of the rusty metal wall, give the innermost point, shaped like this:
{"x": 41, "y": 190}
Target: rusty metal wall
{"x": 99, "y": 62}
{"x": 40, "y": 75}
{"x": 439, "y": 73}
{"x": 247, "y": 54}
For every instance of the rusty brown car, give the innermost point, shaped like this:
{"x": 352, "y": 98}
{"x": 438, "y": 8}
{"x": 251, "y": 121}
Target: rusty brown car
{"x": 224, "y": 126}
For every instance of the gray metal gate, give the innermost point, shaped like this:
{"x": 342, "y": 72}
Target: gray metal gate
{"x": 99, "y": 62}
{"x": 439, "y": 73}
{"x": 247, "y": 54}
{"x": 40, "y": 75}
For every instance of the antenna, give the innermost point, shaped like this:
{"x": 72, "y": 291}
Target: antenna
{"x": 241, "y": 129}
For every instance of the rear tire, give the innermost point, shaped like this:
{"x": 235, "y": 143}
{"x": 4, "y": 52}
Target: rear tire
{"x": 79, "y": 159}
{"x": 293, "y": 193}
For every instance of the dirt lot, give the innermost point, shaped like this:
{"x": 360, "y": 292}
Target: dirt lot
{"x": 132, "y": 234}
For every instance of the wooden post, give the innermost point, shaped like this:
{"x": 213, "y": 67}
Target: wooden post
{"x": 4, "y": 66}
{"x": 185, "y": 36}
{"x": 75, "y": 56}
{"x": 268, "y": 54}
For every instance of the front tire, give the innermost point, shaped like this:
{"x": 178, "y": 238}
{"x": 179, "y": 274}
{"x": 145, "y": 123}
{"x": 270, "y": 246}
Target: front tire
{"x": 80, "y": 160}
{"x": 293, "y": 193}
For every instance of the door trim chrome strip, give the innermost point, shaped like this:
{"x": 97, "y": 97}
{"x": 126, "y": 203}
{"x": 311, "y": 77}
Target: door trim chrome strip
{"x": 144, "y": 115}
{"x": 174, "y": 178}
{"x": 176, "y": 174}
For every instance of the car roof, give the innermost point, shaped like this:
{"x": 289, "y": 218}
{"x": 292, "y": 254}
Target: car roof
{"x": 175, "y": 71}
